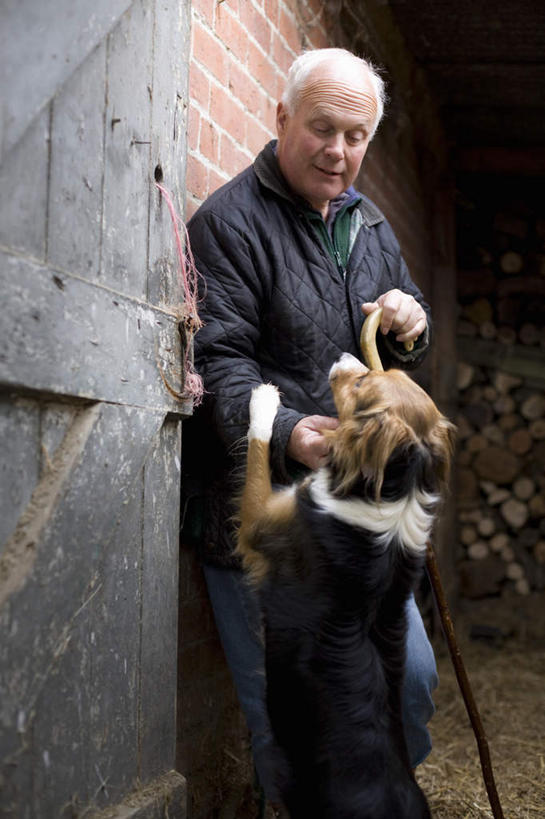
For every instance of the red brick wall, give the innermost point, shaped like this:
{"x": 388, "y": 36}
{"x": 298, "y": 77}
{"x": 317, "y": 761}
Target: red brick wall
{"x": 241, "y": 52}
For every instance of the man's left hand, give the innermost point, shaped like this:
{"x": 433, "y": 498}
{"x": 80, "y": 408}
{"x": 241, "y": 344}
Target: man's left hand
{"x": 401, "y": 314}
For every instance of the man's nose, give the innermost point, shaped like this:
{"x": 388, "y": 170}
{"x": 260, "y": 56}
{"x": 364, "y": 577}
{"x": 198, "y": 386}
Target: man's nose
{"x": 335, "y": 146}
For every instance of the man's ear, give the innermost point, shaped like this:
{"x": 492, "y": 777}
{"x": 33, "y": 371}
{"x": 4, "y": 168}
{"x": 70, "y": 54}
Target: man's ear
{"x": 281, "y": 118}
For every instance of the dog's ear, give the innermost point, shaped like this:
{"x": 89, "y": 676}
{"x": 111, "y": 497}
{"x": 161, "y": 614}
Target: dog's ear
{"x": 441, "y": 442}
{"x": 361, "y": 448}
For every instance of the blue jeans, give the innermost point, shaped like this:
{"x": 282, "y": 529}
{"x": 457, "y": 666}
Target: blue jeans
{"x": 236, "y": 612}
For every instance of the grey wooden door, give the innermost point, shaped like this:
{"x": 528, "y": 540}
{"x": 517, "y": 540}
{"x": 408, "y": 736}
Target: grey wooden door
{"x": 93, "y": 111}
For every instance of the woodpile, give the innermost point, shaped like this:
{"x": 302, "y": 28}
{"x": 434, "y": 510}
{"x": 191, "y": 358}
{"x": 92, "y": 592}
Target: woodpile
{"x": 500, "y": 485}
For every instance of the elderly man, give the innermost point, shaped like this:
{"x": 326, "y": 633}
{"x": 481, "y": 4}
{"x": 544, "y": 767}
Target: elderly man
{"x": 292, "y": 258}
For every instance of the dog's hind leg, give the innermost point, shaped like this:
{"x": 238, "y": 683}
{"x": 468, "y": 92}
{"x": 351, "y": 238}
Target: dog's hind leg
{"x": 257, "y": 488}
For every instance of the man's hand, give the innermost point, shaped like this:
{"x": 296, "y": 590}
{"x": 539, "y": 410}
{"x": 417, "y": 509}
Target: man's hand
{"x": 307, "y": 444}
{"x": 401, "y": 313}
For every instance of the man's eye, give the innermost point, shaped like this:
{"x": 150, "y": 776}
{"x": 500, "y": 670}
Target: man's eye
{"x": 355, "y": 137}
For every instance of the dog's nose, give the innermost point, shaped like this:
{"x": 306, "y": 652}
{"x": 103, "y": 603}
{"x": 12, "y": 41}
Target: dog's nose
{"x": 347, "y": 363}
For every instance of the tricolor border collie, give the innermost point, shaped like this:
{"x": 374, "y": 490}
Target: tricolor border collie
{"x": 334, "y": 559}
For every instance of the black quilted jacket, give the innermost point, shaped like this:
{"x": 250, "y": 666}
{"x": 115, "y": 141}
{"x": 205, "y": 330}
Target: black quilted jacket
{"x": 276, "y": 307}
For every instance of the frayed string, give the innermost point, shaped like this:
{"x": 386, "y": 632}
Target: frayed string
{"x": 188, "y": 276}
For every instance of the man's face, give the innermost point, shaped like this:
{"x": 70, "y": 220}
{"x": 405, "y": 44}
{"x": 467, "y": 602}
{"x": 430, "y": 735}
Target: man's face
{"x": 321, "y": 146}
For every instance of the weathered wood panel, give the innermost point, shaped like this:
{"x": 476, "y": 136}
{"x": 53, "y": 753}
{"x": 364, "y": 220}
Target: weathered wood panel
{"x": 77, "y": 554}
{"x": 168, "y": 116}
{"x": 23, "y": 191}
{"x": 68, "y": 337}
{"x": 159, "y": 602}
{"x": 77, "y": 169}
{"x": 38, "y": 53}
{"x": 127, "y": 176}
{"x": 90, "y": 488}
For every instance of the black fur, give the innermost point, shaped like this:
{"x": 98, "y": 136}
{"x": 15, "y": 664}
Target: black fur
{"x": 334, "y": 615}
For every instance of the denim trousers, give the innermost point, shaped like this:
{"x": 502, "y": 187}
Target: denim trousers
{"x": 236, "y": 611}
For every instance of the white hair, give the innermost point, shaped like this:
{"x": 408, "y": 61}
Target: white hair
{"x": 304, "y": 65}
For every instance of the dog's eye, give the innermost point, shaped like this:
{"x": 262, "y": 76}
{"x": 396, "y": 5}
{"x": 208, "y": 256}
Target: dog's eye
{"x": 358, "y": 382}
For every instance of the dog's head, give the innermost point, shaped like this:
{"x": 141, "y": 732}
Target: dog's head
{"x": 390, "y": 431}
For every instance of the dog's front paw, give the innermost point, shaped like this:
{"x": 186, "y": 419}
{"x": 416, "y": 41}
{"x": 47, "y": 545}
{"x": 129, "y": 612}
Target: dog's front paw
{"x": 263, "y": 406}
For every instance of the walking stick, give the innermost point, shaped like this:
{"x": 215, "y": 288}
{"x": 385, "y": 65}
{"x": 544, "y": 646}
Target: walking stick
{"x": 368, "y": 343}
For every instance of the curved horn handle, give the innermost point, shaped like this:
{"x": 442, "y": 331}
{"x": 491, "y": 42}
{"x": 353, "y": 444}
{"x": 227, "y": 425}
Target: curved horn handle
{"x": 368, "y": 340}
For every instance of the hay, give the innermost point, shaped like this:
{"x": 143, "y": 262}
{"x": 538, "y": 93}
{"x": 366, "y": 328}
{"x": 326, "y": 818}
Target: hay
{"x": 507, "y": 679}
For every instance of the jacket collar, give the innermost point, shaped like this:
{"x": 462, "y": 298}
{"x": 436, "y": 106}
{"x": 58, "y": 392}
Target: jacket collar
{"x": 268, "y": 172}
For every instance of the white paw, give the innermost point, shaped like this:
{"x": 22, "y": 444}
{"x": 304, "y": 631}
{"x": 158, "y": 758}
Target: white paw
{"x": 263, "y": 406}
{"x": 347, "y": 363}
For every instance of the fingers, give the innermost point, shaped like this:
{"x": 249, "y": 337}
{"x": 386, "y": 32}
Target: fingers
{"x": 307, "y": 444}
{"x": 401, "y": 314}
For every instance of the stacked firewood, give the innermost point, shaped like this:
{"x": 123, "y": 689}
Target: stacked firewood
{"x": 500, "y": 487}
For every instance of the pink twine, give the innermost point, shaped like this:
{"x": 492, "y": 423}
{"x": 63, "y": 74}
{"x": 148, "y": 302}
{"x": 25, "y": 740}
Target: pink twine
{"x": 188, "y": 275}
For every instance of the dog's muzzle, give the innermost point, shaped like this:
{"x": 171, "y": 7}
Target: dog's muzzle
{"x": 347, "y": 363}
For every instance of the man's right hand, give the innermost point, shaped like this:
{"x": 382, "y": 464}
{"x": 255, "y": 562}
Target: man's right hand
{"x": 307, "y": 444}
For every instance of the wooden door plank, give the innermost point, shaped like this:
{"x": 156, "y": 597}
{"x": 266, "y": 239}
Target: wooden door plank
{"x": 77, "y": 566}
{"x": 168, "y": 127}
{"x": 66, "y": 336}
{"x": 20, "y": 460}
{"x": 77, "y": 167}
{"x": 159, "y": 603}
{"x": 127, "y": 158}
{"x": 23, "y": 182}
{"x": 41, "y": 44}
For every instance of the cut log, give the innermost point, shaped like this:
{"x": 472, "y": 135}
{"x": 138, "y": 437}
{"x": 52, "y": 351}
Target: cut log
{"x": 476, "y": 442}
{"x": 494, "y": 434}
{"x": 514, "y": 571}
{"x": 515, "y": 513}
{"x": 506, "y": 334}
{"x": 480, "y": 578}
{"x": 537, "y": 429}
{"x": 499, "y": 541}
{"x": 504, "y": 382}
{"x": 486, "y": 527}
{"x": 487, "y": 330}
{"x": 478, "y": 550}
{"x": 536, "y": 506}
{"x": 510, "y": 421}
{"x": 511, "y": 262}
{"x": 464, "y": 375}
{"x": 507, "y": 554}
{"x": 505, "y": 405}
{"x": 520, "y": 441}
{"x": 498, "y": 496}
{"x": 533, "y": 407}
{"x": 466, "y": 328}
{"x": 522, "y": 586}
{"x": 524, "y": 488}
{"x": 467, "y": 489}
{"x": 496, "y": 464}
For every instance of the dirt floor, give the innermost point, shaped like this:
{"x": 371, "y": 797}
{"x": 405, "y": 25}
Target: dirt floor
{"x": 505, "y": 662}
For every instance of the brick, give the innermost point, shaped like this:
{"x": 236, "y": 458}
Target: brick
{"x": 196, "y": 179}
{"x": 193, "y": 126}
{"x": 232, "y": 158}
{"x": 232, "y": 33}
{"x": 288, "y": 28}
{"x": 263, "y": 69}
{"x": 209, "y": 141}
{"x": 271, "y": 9}
{"x": 257, "y": 136}
{"x": 217, "y": 180}
{"x": 210, "y": 52}
{"x": 227, "y": 113}
{"x": 199, "y": 86}
{"x": 244, "y": 88}
{"x": 282, "y": 55}
{"x": 256, "y": 24}
{"x": 205, "y": 9}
